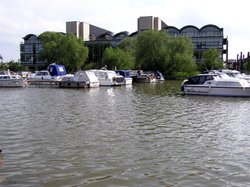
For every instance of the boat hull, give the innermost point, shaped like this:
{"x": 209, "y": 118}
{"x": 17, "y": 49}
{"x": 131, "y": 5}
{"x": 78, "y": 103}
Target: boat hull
{"x": 12, "y": 83}
{"x": 217, "y": 91}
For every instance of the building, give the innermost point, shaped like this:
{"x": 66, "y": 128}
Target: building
{"x": 150, "y": 23}
{"x": 84, "y": 30}
{"x": 207, "y": 37}
{"x": 98, "y": 39}
{"x": 30, "y": 49}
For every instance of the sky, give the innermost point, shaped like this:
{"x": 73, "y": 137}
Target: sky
{"x": 21, "y": 17}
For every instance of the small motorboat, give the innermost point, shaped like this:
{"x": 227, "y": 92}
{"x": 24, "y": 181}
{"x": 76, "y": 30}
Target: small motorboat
{"x": 108, "y": 77}
{"x": 9, "y": 79}
{"x": 126, "y": 75}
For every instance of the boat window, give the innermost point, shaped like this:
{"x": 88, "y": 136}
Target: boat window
{"x": 210, "y": 77}
{"x": 228, "y": 84}
{"x": 202, "y": 79}
{"x": 193, "y": 80}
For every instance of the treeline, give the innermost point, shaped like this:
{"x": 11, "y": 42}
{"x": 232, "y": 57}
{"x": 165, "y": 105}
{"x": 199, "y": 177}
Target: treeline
{"x": 148, "y": 51}
{"x": 12, "y": 66}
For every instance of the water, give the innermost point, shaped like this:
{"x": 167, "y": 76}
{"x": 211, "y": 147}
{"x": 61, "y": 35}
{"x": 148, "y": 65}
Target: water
{"x": 140, "y": 135}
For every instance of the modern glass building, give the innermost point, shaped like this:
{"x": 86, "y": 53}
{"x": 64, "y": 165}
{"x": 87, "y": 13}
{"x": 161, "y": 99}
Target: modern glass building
{"x": 207, "y": 37}
{"x": 97, "y": 39}
{"x": 30, "y": 49}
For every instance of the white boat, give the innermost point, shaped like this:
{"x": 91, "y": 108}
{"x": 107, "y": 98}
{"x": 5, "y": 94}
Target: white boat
{"x": 126, "y": 74}
{"x": 54, "y": 72}
{"x": 41, "y": 75}
{"x": 236, "y": 74}
{"x": 8, "y": 79}
{"x": 215, "y": 85}
{"x": 108, "y": 77}
{"x": 81, "y": 79}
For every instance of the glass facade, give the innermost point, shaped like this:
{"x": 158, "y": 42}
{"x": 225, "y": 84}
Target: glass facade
{"x": 30, "y": 50}
{"x": 209, "y": 36}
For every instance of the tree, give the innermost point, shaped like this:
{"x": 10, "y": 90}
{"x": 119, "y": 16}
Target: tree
{"x": 212, "y": 60}
{"x": 171, "y": 55}
{"x": 116, "y": 58}
{"x": 63, "y": 49}
{"x": 181, "y": 57}
{"x": 128, "y": 45}
{"x": 1, "y": 58}
{"x": 152, "y": 52}
{"x": 246, "y": 66}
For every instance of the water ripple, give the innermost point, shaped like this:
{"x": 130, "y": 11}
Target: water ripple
{"x": 143, "y": 135}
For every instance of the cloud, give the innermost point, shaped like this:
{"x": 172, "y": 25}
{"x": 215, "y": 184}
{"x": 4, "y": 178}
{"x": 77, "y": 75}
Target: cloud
{"x": 29, "y": 16}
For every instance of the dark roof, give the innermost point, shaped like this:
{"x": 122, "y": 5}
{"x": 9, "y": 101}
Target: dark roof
{"x": 29, "y": 35}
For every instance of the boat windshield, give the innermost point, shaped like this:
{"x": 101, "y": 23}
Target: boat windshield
{"x": 200, "y": 79}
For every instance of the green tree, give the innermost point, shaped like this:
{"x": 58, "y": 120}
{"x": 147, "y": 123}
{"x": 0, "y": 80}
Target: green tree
{"x": 211, "y": 60}
{"x": 116, "y": 58}
{"x": 152, "y": 52}
{"x": 246, "y": 66}
{"x": 128, "y": 45}
{"x": 63, "y": 49}
{"x": 181, "y": 61}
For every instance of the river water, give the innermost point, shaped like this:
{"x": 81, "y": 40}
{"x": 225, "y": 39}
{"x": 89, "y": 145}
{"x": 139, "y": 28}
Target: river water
{"x": 140, "y": 135}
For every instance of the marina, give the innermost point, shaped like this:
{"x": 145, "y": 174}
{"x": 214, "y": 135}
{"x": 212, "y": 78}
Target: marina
{"x": 134, "y": 135}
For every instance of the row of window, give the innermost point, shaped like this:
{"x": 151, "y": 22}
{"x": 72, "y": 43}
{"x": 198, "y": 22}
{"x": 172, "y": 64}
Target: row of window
{"x": 33, "y": 48}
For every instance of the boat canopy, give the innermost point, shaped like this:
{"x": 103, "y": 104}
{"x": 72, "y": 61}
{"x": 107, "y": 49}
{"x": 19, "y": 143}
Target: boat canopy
{"x": 57, "y": 70}
{"x": 124, "y": 73}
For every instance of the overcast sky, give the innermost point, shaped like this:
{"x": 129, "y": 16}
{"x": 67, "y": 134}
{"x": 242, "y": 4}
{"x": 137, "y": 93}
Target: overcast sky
{"x": 21, "y": 17}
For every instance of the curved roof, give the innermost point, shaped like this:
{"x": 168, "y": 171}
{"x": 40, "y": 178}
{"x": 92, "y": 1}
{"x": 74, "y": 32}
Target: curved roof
{"x": 125, "y": 33}
{"x": 133, "y": 34}
{"x": 170, "y": 27}
{"x": 189, "y": 27}
{"x": 210, "y": 25}
{"x": 29, "y": 35}
{"x": 104, "y": 35}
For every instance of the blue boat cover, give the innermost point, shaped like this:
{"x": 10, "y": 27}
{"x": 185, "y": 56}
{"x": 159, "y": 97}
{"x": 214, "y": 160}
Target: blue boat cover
{"x": 124, "y": 73}
{"x": 57, "y": 70}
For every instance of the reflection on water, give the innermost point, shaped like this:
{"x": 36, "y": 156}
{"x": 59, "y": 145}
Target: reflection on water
{"x": 140, "y": 135}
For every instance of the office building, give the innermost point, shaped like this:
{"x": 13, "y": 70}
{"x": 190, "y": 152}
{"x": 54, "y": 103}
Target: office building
{"x": 98, "y": 39}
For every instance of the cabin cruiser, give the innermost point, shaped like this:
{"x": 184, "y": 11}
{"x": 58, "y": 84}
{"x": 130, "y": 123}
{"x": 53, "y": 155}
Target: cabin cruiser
{"x": 81, "y": 79}
{"x": 215, "y": 85}
{"x": 126, "y": 75}
{"x": 108, "y": 77}
{"x": 8, "y": 79}
{"x": 141, "y": 77}
{"x": 54, "y": 72}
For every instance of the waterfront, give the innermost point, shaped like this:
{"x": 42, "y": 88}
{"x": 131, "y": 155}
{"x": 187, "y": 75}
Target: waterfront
{"x": 140, "y": 135}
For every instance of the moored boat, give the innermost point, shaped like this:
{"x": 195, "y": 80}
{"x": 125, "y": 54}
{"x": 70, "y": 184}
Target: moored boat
{"x": 81, "y": 79}
{"x": 215, "y": 85}
{"x": 236, "y": 74}
{"x": 8, "y": 80}
{"x": 141, "y": 77}
{"x": 126, "y": 74}
{"x": 54, "y": 72}
{"x": 108, "y": 77}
